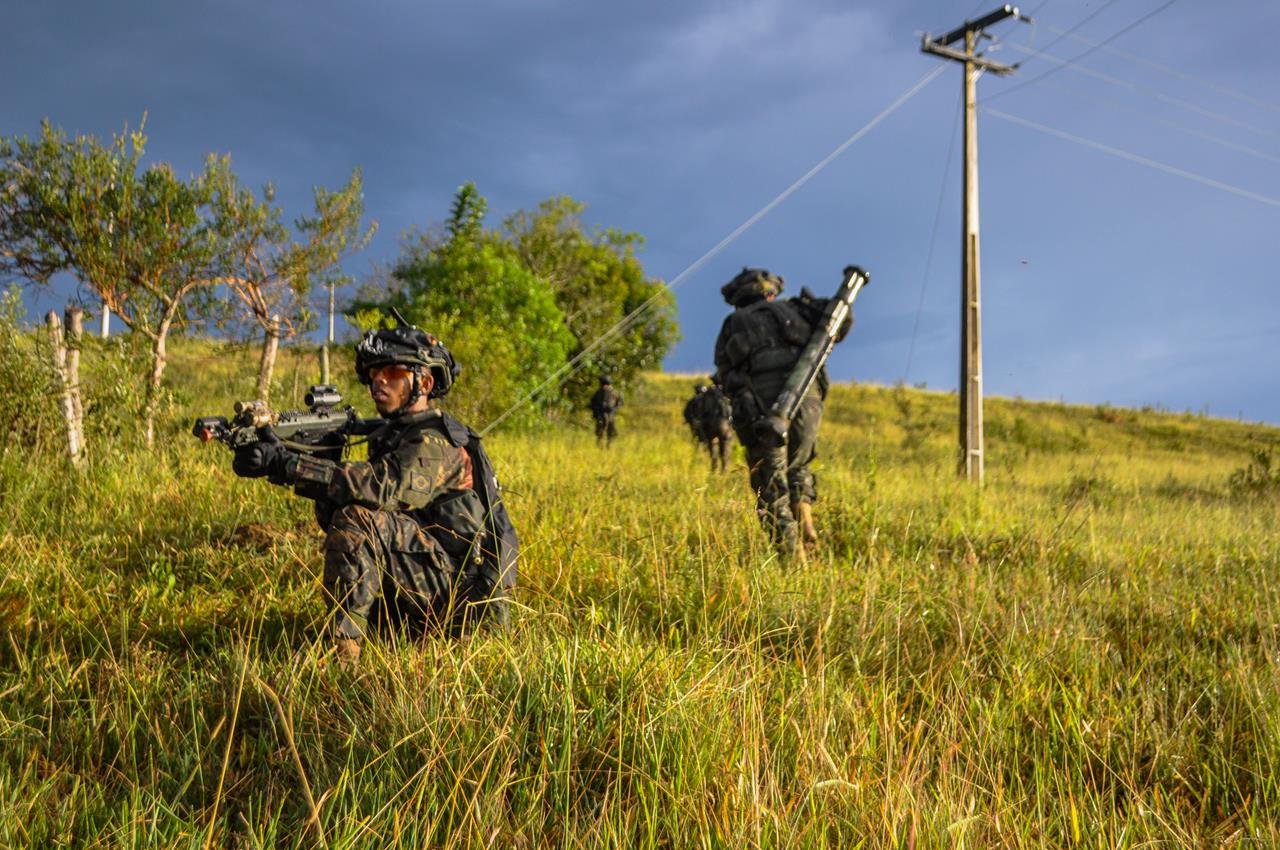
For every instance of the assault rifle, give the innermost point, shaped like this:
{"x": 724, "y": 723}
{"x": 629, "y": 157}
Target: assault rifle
{"x": 323, "y": 429}
{"x": 774, "y": 426}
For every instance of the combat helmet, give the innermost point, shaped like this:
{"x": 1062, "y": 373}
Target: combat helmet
{"x": 751, "y": 285}
{"x": 408, "y": 346}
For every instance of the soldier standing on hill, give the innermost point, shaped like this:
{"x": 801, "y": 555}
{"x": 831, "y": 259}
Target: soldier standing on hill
{"x": 759, "y": 344}
{"x": 604, "y": 406}
{"x": 417, "y": 537}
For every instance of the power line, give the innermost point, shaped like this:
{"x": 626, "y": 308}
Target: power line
{"x": 933, "y": 238}
{"x": 1176, "y": 72}
{"x": 1099, "y": 46}
{"x": 1138, "y": 158}
{"x": 1157, "y": 119}
{"x": 1064, "y": 33}
{"x": 1152, "y": 93}
{"x": 565, "y": 371}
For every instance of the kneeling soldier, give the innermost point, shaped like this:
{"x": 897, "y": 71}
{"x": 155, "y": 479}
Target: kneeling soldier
{"x": 417, "y": 537}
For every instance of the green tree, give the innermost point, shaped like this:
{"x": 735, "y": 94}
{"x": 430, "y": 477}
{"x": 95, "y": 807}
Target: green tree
{"x": 159, "y": 250}
{"x": 525, "y": 300}
{"x": 598, "y": 283}
{"x": 272, "y": 271}
{"x": 469, "y": 287}
{"x": 141, "y": 239}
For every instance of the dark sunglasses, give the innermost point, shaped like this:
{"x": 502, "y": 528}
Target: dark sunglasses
{"x": 389, "y": 373}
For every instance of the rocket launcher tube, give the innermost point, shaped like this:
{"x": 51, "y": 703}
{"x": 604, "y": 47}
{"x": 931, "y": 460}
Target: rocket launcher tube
{"x": 774, "y": 426}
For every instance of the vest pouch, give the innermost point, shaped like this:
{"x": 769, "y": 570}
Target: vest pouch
{"x": 455, "y": 521}
{"x": 738, "y": 348}
{"x": 795, "y": 330}
{"x": 419, "y": 566}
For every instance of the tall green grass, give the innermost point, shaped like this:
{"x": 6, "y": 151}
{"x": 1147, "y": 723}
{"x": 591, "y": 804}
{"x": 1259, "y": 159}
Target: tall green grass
{"x": 1081, "y": 654}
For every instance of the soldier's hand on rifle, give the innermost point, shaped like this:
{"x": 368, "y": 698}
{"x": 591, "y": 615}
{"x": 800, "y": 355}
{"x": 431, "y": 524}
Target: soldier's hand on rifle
{"x": 264, "y": 458}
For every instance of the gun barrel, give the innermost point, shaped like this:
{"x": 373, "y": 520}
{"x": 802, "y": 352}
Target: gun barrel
{"x": 775, "y": 425}
{"x": 208, "y": 428}
{"x": 322, "y": 395}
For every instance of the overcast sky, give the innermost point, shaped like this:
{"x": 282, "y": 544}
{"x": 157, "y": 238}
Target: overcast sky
{"x": 1105, "y": 278}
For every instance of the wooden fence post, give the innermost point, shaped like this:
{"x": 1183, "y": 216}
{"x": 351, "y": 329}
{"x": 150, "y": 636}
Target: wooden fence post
{"x": 60, "y": 370}
{"x": 75, "y": 339}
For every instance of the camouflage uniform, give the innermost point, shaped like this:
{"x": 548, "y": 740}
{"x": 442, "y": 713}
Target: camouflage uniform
{"x": 604, "y": 406}
{"x": 405, "y": 532}
{"x": 758, "y": 345}
{"x": 417, "y": 537}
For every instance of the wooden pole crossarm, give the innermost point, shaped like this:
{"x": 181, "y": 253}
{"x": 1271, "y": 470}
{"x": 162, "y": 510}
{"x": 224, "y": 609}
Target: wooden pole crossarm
{"x": 979, "y": 24}
{"x": 934, "y": 47}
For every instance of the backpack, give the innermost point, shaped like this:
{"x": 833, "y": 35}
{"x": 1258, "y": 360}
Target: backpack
{"x": 761, "y": 345}
{"x": 715, "y": 410}
{"x": 488, "y": 574}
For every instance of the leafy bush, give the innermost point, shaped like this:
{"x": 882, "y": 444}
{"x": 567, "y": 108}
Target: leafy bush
{"x": 114, "y": 400}
{"x": 30, "y": 396}
{"x": 1260, "y": 477}
{"x": 516, "y": 305}
{"x": 29, "y": 419}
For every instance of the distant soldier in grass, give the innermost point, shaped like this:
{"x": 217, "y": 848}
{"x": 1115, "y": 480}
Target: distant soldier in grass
{"x": 709, "y": 415}
{"x": 417, "y": 538}
{"x": 692, "y": 411}
{"x": 759, "y": 344}
{"x": 604, "y": 408}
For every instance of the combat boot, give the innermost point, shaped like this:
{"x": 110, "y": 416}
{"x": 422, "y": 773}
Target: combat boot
{"x": 348, "y": 651}
{"x": 803, "y": 512}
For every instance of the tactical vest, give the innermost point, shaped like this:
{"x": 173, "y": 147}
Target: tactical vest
{"x": 605, "y": 401}
{"x": 764, "y": 342}
{"x": 472, "y": 526}
{"x": 490, "y": 565}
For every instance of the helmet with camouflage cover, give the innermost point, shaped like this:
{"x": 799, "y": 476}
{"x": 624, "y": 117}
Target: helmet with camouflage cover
{"x": 407, "y": 345}
{"x": 751, "y": 285}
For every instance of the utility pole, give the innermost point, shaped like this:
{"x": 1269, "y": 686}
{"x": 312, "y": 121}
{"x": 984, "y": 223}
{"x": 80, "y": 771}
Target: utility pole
{"x": 970, "y": 465}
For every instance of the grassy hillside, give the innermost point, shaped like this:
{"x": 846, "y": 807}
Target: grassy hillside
{"x": 1081, "y": 654}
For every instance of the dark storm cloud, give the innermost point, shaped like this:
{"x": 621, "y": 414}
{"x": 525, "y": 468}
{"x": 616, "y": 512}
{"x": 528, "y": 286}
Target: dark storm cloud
{"x": 1102, "y": 280}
